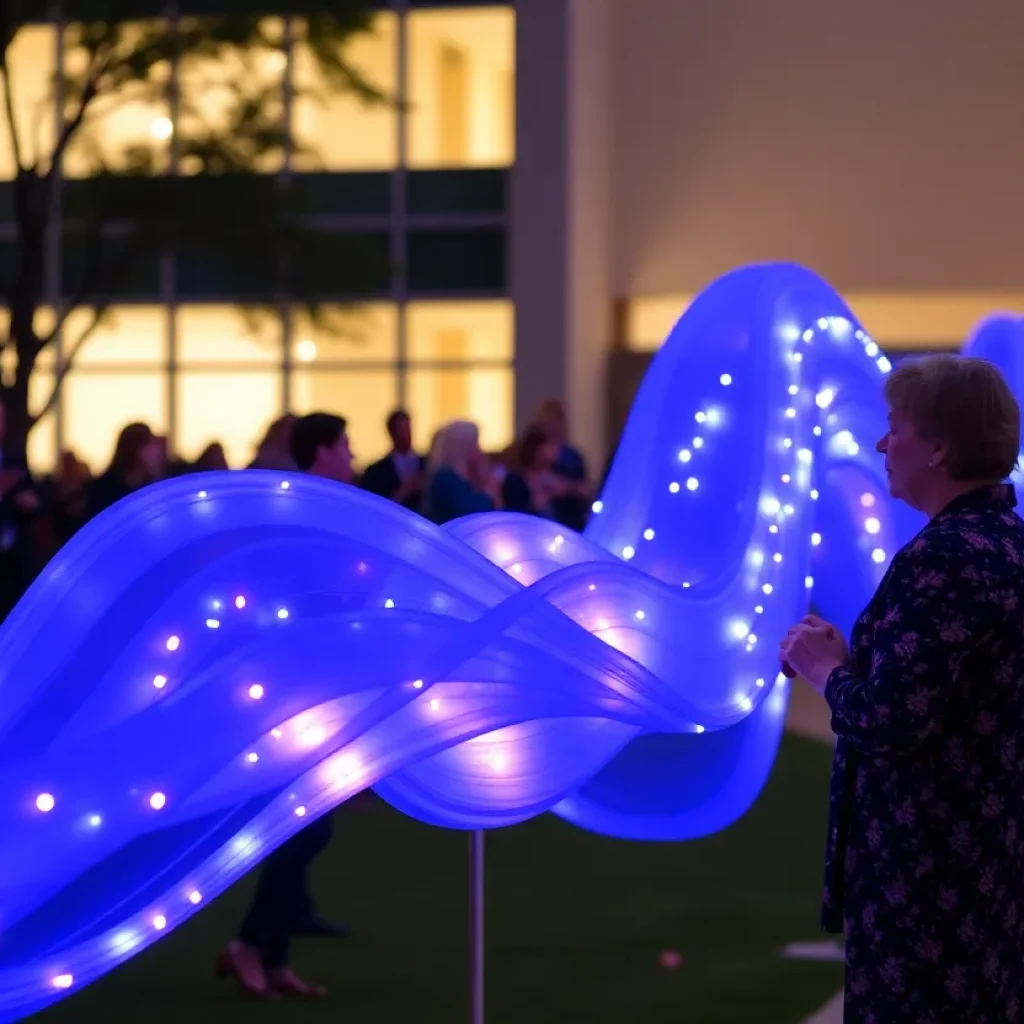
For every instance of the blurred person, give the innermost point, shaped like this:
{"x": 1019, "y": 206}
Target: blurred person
{"x": 68, "y": 496}
{"x": 572, "y": 507}
{"x": 460, "y": 480}
{"x": 400, "y": 475}
{"x": 140, "y": 458}
{"x": 531, "y": 486}
{"x": 926, "y": 810}
{"x": 19, "y": 504}
{"x": 275, "y": 450}
{"x": 211, "y": 459}
{"x": 281, "y": 907}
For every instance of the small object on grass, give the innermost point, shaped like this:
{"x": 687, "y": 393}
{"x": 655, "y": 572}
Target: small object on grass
{"x": 670, "y": 958}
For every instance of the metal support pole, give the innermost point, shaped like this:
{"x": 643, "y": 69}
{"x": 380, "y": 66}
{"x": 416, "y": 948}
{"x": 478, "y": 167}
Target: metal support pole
{"x": 476, "y": 927}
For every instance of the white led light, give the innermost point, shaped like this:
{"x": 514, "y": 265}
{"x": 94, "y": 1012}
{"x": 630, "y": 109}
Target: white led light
{"x": 674, "y": 487}
{"x": 282, "y": 613}
{"x": 692, "y": 483}
{"x": 770, "y": 506}
{"x": 872, "y": 525}
{"x": 725, "y": 380}
{"x": 213, "y": 624}
{"x": 685, "y": 455}
{"x": 808, "y": 582}
{"x": 698, "y": 442}
{"x": 597, "y": 507}
{"x": 628, "y": 552}
{"x": 700, "y": 417}
{"x": 239, "y": 602}
{"x": 767, "y": 588}
{"x": 648, "y": 534}
{"x": 639, "y": 615}
{"x": 878, "y": 556}
{"x": 172, "y": 643}
{"x": 815, "y": 539}
{"x": 159, "y": 681}
{"x": 45, "y": 803}
{"x": 823, "y": 399}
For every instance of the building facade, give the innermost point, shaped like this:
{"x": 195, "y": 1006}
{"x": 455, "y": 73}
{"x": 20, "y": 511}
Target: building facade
{"x": 662, "y": 143}
{"x": 556, "y": 181}
{"x": 425, "y": 177}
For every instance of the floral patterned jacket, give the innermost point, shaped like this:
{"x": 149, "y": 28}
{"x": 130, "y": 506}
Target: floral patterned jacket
{"x": 926, "y": 810}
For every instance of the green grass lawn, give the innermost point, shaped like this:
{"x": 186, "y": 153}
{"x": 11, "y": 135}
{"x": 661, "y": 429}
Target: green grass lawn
{"x": 575, "y": 926}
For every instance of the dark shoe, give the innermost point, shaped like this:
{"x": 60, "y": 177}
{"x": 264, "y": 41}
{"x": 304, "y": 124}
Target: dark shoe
{"x": 320, "y": 927}
{"x": 286, "y": 982}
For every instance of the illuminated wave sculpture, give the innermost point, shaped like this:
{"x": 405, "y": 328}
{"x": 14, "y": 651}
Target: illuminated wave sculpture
{"x": 219, "y": 659}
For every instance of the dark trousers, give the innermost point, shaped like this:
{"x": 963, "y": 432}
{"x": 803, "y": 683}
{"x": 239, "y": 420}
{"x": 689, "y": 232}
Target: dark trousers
{"x": 281, "y": 901}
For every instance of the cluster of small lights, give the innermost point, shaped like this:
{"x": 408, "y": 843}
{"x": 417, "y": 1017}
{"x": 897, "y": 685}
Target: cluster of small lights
{"x": 775, "y": 509}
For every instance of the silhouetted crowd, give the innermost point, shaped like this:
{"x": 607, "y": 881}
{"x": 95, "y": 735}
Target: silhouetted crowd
{"x": 540, "y": 474}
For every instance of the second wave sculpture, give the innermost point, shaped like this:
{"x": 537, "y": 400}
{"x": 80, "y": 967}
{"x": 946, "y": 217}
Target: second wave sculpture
{"x": 216, "y": 661}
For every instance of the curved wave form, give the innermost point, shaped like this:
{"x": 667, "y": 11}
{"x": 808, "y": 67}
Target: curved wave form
{"x": 216, "y": 661}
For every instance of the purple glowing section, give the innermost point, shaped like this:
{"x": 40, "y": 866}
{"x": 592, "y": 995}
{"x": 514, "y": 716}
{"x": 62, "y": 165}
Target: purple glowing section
{"x": 216, "y": 661}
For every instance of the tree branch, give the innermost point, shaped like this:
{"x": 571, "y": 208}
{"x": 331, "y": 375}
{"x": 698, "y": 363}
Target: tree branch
{"x": 67, "y": 362}
{"x": 68, "y": 129}
{"x": 12, "y": 124}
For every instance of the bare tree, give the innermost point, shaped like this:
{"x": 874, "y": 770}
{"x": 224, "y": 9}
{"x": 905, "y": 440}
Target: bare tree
{"x": 212, "y": 190}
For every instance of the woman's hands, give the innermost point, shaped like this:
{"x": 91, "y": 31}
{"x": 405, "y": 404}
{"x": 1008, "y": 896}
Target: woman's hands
{"x": 812, "y": 649}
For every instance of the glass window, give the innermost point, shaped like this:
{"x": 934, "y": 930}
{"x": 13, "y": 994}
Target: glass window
{"x": 215, "y": 90}
{"x": 42, "y": 439}
{"x": 484, "y": 395}
{"x": 461, "y": 330}
{"x": 336, "y": 129}
{"x": 8, "y": 358}
{"x": 126, "y": 336}
{"x": 96, "y": 405}
{"x": 127, "y": 127}
{"x": 364, "y": 333}
{"x": 462, "y": 88}
{"x": 32, "y": 64}
{"x": 363, "y": 397}
{"x": 223, "y": 334}
{"x": 232, "y": 408}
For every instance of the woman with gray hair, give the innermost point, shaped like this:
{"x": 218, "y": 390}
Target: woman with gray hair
{"x": 925, "y": 855}
{"x": 459, "y": 478}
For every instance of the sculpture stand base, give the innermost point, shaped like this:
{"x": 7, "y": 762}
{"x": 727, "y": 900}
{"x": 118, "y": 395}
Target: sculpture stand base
{"x": 476, "y": 927}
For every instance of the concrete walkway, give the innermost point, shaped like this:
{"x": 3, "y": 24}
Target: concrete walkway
{"x": 808, "y": 715}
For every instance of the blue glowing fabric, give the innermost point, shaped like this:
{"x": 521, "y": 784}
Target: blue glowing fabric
{"x": 219, "y": 659}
